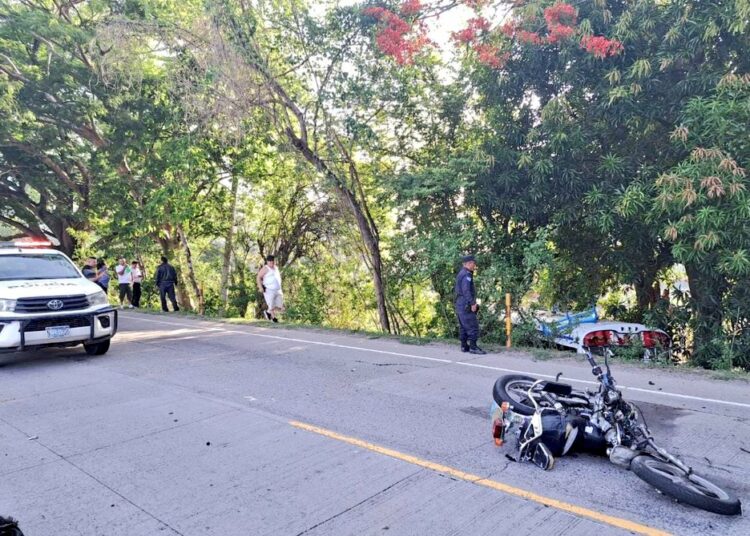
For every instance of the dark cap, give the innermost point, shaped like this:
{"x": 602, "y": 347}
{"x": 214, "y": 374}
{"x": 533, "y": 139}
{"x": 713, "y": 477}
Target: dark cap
{"x": 468, "y": 258}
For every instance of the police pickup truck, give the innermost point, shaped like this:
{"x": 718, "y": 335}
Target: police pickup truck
{"x": 46, "y": 301}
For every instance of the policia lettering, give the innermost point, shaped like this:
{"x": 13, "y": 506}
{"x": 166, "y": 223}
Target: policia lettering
{"x": 466, "y": 307}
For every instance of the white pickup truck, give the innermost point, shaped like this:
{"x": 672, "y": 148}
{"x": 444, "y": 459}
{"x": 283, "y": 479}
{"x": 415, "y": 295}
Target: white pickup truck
{"x": 46, "y": 301}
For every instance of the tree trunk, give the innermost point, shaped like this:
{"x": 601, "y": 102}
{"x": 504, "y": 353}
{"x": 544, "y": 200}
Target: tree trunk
{"x": 60, "y": 228}
{"x": 367, "y": 229}
{"x": 191, "y": 272}
{"x": 297, "y": 133}
{"x": 372, "y": 245}
{"x": 244, "y": 290}
{"x": 646, "y": 290}
{"x": 376, "y": 268}
{"x": 706, "y": 291}
{"x": 227, "y": 261}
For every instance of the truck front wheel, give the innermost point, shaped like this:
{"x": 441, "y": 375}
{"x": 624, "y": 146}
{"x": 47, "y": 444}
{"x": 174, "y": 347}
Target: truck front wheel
{"x": 99, "y": 348}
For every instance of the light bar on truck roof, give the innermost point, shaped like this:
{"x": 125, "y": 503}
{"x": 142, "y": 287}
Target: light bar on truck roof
{"x": 27, "y": 242}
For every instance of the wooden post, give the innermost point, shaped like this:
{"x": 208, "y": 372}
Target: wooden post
{"x": 508, "y": 327}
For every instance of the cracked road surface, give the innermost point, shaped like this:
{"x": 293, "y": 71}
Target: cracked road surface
{"x": 193, "y": 427}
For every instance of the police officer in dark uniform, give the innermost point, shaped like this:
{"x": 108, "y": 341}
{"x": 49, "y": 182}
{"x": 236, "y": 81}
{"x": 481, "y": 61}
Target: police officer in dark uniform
{"x": 466, "y": 307}
{"x": 166, "y": 277}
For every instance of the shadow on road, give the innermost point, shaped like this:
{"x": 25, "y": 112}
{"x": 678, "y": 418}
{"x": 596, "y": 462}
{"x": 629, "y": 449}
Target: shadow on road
{"x": 43, "y": 357}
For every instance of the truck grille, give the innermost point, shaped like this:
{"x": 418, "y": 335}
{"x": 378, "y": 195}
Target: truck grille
{"x": 40, "y": 324}
{"x": 42, "y": 305}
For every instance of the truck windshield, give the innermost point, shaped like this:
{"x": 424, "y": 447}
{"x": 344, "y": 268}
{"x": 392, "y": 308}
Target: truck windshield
{"x": 23, "y": 267}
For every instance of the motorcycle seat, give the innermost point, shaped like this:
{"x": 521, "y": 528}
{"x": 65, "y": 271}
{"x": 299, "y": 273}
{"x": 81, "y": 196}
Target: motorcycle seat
{"x": 562, "y": 389}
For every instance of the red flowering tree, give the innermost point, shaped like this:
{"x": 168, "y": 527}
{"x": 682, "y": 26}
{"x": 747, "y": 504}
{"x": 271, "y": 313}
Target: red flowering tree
{"x": 601, "y": 47}
{"x": 561, "y": 21}
{"x": 400, "y": 35}
{"x": 402, "y": 32}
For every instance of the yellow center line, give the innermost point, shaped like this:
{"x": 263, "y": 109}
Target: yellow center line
{"x": 486, "y": 482}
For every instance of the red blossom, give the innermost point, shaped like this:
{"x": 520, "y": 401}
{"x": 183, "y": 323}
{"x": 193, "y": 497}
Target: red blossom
{"x": 377, "y": 12}
{"x": 480, "y": 23}
{"x": 533, "y": 38}
{"x": 601, "y": 47}
{"x": 467, "y": 35}
{"x": 476, "y": 26}
{"x": 392, "y": 38}
{"x": 508, "y": 29}
{"x": 560, "y": 14}
{"x": 559, "y": 32}
{"x": 411, "y": 7}
{"x": 475, "y": 4}
{"x": 488, "y": 55}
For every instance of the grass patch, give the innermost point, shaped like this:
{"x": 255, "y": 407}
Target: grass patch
{"x": 544, "y": 354}
{"x": 407, "y": 339}
{"x": 729, "y": 375}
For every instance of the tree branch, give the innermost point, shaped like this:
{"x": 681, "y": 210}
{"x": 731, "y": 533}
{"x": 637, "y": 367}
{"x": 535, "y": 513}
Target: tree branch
{"x": 51, "y": 164}
{"x": 20, "y": 226}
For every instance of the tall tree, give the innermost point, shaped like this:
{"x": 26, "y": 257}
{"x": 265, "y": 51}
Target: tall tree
{"x": 704, "y": 208}
{"x": 54, "y": 126}
{"x": 264, "y": 59}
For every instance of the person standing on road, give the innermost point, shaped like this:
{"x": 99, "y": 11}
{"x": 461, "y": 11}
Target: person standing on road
{"x": 124, "y": 279}
{"x": 466, "y": 307}
{"x": 269, "y": 284}
{"x": 137, "y": 275}
{"x": 166, "y": 277}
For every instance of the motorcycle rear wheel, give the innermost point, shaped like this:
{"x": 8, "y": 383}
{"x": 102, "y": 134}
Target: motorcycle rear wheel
{"x": 689, "y": 489}
{"x": 513, "y": 388}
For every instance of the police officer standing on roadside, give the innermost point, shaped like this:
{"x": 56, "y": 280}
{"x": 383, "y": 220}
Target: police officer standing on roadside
{"x": 466, "y": 307}
{"x": 166, "y": 277}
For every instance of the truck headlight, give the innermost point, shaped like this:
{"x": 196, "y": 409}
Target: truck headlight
{"x": 98, "y": 298}
{"x": 7, "y": 306}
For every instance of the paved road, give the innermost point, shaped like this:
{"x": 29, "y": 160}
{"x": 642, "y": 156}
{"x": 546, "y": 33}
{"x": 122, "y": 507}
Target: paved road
{"x": 192, "y": 427}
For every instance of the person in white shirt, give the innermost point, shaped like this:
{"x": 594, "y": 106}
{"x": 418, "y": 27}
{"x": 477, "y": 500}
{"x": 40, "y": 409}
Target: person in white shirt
{"x": 124, "y": 279}
{"x": 137, "y": 275}
{"x": 269, "y": 283}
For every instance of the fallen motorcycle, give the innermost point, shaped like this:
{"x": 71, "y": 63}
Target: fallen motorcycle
{"x": 552, "y": 419}
{"x": 9, "y": 527}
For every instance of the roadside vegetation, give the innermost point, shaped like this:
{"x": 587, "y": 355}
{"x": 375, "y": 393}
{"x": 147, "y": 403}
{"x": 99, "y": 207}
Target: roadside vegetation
{"x": 582, "y": 150}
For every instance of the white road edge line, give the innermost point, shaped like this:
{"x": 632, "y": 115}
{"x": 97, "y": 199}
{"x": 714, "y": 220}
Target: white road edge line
{"x": 447, "y": 361}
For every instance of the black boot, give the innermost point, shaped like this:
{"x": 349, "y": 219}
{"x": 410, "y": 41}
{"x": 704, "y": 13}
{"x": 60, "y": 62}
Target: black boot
{"x": 465, "y": 346}
{"x": 474, "y": 349}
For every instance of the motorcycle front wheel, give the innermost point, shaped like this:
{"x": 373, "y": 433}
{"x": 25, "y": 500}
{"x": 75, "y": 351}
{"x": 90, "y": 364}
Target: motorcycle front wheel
{"x": 687, "y": 488}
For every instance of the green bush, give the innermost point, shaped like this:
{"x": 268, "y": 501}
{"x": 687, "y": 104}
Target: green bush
{"x": 309, "y": 303}
{"x": 632, "y": 352}
{"x": 526, "y": 334}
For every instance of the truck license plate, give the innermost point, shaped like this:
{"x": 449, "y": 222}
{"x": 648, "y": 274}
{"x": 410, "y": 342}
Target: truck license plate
{"x": 55, "y": 332}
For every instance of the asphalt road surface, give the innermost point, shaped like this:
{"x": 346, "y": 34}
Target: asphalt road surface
{"x": 200, "y": 428}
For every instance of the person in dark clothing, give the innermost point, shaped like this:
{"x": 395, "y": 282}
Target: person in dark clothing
{"x": 89, "y": 268}
{"x": 102, "y": 275}
{"x": 466, "y": 307}
{"x": 166, "y": 277}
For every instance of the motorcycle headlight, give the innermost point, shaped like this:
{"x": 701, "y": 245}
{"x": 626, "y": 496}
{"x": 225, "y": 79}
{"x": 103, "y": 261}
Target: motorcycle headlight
{"x": 7, "y": 306}
{"x": 98, "y": 298}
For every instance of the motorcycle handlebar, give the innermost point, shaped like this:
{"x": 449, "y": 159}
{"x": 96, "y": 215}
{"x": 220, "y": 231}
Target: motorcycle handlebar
{"x": 597, "y": 371}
